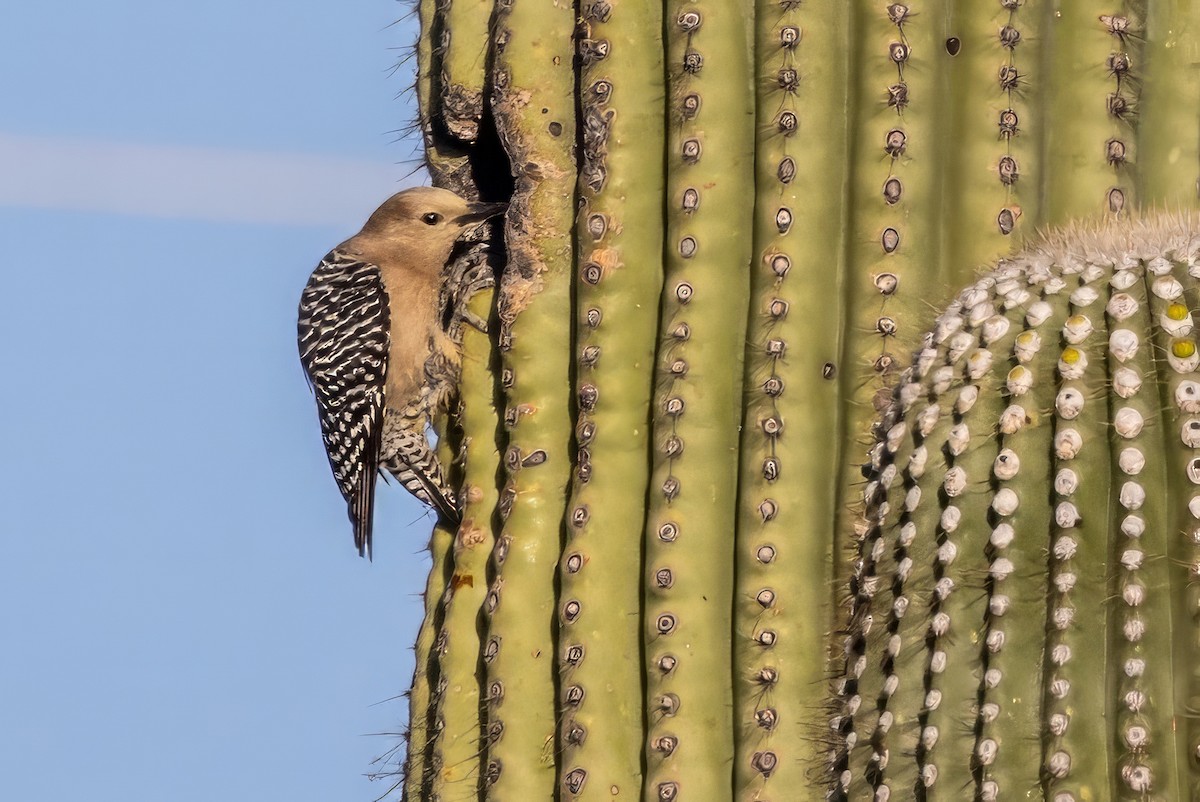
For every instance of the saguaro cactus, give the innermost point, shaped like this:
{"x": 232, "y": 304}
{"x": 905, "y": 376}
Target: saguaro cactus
{"x": 730, "y": 225}
{"x": 1026, "y": 594}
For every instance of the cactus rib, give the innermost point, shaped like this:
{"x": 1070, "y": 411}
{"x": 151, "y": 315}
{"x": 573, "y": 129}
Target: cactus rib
{"x": 535, "y": 117}
{"x": 697, "y": 402}
{"x": 791, "y": 418}
{"x": 460, "y": 738}
{"x": 619, "y": 278}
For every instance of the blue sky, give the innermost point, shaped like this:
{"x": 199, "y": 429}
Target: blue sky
{"x": 182, "y": 611}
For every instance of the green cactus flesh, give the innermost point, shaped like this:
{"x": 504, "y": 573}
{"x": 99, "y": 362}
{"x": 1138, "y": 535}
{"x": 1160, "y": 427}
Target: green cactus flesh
{"x": 1024, "y": 601}
{"x": 619, "y": 253}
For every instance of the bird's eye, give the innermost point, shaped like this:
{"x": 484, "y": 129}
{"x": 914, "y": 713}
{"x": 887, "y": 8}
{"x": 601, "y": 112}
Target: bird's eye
{"x": 431, "y": 218}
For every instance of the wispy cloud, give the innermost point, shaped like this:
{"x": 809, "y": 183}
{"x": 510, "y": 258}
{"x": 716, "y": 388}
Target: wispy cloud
{"x": 192, "y": 183}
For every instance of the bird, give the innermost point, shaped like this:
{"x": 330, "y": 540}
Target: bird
{"x": 376, "y": 353}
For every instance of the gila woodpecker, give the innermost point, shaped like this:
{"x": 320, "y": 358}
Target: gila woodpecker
{"x": 375, "y": 351}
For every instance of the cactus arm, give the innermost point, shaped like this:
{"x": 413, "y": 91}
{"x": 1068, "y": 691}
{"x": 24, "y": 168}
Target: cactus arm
{"x": 1168, "y": 129}
{"x": 419, "y": 768}
{"x": 697, "y": 405}
{"x": 862, "y": 759}
{"x": 890, "y": 589}
{"x": 619, "y": 244}
{"x": 464, "y": 65}
{"x": 460, "y": 737}
{"x": 1074, "y": 631}
{"x": 944, "y": 532}
{"x": 1178, "y": 395}
{"x": 868, "y": 763}
{"x": 925, "y": 696}
{"x": 801, "y": 176}
{"x": 533, "y": 72}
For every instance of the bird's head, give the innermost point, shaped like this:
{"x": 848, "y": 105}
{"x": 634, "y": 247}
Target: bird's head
{"x": 428, "y": 221}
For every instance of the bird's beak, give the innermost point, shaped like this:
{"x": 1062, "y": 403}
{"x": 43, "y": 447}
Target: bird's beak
{"x": 478, "y": 212}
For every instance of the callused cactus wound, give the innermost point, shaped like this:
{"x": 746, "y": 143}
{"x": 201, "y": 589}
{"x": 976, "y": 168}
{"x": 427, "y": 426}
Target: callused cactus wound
{"x": 1030, "y": 557}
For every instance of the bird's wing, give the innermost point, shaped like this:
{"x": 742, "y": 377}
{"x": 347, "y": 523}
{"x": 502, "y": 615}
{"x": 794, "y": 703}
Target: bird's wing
{"x": 343, "y": 338}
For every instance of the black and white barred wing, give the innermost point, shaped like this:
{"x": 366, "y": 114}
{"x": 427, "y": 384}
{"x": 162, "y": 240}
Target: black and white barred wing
{"x": 343, "y": 338}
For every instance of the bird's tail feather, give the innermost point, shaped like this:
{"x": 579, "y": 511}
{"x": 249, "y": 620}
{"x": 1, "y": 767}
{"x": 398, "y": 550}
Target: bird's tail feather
{"x": 362, "y": 513}
{"x": 416, "y": 466}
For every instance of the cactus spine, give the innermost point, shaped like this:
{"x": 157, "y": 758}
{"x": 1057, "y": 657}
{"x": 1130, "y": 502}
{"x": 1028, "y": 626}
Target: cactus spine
{"x": 729, "y": 218}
